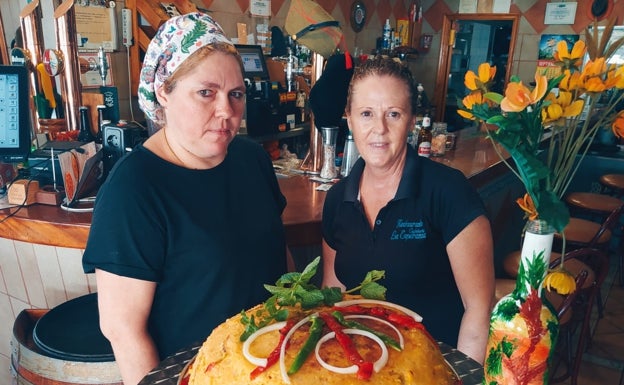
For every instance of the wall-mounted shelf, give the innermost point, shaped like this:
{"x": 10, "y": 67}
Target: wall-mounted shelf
{"x": 147, "y": 17}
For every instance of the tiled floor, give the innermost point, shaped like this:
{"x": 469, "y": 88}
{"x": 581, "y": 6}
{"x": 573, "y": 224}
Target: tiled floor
{"x": 603, "y": 363}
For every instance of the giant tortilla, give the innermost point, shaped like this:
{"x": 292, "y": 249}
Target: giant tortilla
{"x": 221, "y": 361}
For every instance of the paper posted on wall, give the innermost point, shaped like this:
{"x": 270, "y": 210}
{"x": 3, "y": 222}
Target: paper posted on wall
{"x": 82, "y": 169}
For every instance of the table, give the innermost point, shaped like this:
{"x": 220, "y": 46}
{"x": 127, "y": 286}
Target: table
{"x": 168, "y": 371}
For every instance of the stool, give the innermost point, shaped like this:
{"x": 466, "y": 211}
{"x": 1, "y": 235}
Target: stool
{"x": 600, "y": 205}
{"x": 613, "y": 183}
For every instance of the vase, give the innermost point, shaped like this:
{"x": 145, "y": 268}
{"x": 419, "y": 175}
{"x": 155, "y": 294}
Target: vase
{"x": 523, "y": 329}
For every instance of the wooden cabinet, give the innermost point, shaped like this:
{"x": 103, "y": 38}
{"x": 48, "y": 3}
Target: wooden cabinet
{"x": 147, "y": 17}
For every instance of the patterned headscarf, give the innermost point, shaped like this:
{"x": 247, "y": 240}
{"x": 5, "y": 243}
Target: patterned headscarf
{"x": 176, "y": 40}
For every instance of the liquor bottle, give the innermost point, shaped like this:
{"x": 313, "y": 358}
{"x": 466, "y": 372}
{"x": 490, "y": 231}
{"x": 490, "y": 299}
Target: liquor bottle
{"x": 85, "y": 135}
{"x": 385, "y": 42}
{"x": 424, "y": 138}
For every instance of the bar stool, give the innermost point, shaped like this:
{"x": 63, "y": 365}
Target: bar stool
{"x": 594, "y": 204}
{"x": 613, "y": 183}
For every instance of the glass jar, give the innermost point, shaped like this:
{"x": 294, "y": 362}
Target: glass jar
{"x": 438, "y": 139}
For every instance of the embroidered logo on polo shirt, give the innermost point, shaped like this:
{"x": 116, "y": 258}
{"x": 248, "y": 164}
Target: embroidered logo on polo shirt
{"x": 406, "y": 231}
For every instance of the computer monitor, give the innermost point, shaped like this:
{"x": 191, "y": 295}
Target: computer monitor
{"x": 253, "y": 61}
{"x": 15, "y": 125}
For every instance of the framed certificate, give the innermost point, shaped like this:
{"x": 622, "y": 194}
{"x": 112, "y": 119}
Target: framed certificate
{"x": 560, "y": 13}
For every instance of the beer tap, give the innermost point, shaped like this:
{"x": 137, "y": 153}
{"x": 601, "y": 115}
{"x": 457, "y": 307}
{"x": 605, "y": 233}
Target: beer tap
{"x": 102, "y": 65}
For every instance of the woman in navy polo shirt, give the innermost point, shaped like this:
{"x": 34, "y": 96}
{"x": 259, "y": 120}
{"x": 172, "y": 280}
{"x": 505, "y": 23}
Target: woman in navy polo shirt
{"x": 418, "y": 220}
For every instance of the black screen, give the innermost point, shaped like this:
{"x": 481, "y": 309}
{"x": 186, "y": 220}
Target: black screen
{"x": 15, "y": 127}
{"x": 253, "y": 61}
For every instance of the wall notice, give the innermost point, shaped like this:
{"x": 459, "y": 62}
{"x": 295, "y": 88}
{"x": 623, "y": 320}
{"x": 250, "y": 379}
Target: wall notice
{"x": 96, "y": 28}
{"x": 560, "y": 13}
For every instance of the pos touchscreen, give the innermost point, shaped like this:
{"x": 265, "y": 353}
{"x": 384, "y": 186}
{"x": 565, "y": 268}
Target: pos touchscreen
{"x": 15, "y": 125}
{"x": 253, "y": 62}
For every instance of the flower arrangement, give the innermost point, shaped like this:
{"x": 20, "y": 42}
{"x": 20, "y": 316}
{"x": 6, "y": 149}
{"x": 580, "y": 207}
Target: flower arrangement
{"x": 520, "y": 119}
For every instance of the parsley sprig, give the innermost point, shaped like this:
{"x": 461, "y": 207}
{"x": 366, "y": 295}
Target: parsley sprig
{"x": 295, "y": 288}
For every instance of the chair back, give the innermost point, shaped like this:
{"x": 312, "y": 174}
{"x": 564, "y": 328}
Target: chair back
{"x": 589, "y": 277}
{"x": 608, "y": 225}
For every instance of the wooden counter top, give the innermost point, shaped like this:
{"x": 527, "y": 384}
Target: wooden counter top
{"x": 49, "y": 225}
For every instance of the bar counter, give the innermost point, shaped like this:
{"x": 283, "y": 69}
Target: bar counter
{"x": 53, "y": 226}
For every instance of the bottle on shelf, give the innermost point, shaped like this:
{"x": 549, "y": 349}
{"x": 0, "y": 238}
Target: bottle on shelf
{"x": 386, "y": 36}
{"x": 85, "y": 135}
{"x": 424, "y": 137}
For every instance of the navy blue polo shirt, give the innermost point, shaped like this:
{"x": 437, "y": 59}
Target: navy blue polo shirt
{"x": 432, "y": 205}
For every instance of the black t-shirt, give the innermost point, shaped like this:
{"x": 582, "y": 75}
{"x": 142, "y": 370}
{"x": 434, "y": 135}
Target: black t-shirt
{"x": 432, "y": 205}
{"x": 209, "y": 238}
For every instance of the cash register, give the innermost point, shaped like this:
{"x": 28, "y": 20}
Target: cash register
{"x": 270, "y": 108}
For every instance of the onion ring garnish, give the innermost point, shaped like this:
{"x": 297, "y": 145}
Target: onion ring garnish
{"x": 377, "y": 366}
{"x": 250, "y": 357}
{"x": 417, "y": 317}
{"x": 383, "y": 321}
{"x": 282, "y": 363}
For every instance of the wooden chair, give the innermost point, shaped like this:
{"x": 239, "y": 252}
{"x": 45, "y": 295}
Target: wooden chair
{"x": 575, "y": 334}
{"x": 583, "y": 233}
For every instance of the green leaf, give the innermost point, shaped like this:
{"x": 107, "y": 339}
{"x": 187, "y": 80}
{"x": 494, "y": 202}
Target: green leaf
{"x": 310, "y": 270}
{"x": 276, "y": 290}
{"x": 493, "y": 96}
{"x": 288, "y": 279}
{"x": 311, "y": 299}
{"x": 331, "y": 295}
{"x": 374, "y": 275}
{"x": 373, "y": 290}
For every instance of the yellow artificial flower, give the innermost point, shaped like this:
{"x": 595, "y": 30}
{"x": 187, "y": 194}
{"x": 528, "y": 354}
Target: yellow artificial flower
{"x": 596, "y": 76}
{"x": 560, "y": 280}
{"x": 571, "y": 81}
{"x": 473, "y": 98}
{"x": 561, "y": 106}
{"x": 570, "y": 59}
{"x": 518, "y": 96}
{"x": 486, "y": 74}
{"x": 618, "y": 125}
{"x": 527, "y": 205}
{"x": 619, "y": 73}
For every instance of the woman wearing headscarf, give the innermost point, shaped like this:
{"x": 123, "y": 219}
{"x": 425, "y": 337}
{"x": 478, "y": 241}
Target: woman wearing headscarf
{"x": 418, "y": 220}
{"x": 187, "y": 227}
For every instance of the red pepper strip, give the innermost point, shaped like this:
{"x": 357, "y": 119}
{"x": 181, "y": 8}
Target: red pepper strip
{"x": 275, "y": 354}
{"x": 365, "y": 368}
{"x": 381, "y": 312}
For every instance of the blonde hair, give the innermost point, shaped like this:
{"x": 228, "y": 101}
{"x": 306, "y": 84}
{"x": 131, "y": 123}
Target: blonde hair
{"x": 383, "y": 66}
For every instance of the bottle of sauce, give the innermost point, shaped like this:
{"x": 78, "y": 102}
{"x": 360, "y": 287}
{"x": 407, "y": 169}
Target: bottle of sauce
{"x": 424, "y": 138}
